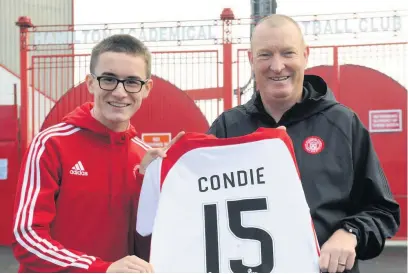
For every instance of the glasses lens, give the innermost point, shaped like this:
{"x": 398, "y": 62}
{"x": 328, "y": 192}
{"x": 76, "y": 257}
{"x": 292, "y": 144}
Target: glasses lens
{"x": 133, "y": 85}
{"x": 108, "y": 83}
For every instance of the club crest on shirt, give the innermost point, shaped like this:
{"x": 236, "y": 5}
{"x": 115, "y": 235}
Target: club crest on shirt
{"x": 313, "y": 144}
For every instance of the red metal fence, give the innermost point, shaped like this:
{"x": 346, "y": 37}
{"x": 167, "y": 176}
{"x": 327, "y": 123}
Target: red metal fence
{"x": 210, "y": 63}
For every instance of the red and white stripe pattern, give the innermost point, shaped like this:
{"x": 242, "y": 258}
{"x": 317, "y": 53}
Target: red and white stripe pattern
{"x": 23, "y": 230}
{"x": 142, "y": 144}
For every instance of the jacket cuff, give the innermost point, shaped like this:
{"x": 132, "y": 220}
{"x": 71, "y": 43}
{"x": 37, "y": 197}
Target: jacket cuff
{"x": 99, "y": 267}
{"x": 350, "y": 228}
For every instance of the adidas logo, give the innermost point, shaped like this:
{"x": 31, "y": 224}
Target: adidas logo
{"x": 78, "y": 169}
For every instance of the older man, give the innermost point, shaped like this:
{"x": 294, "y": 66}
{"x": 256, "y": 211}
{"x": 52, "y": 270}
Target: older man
{"x": 351, "y": 203}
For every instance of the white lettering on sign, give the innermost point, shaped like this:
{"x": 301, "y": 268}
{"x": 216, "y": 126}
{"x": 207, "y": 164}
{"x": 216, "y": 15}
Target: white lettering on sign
{"x": 351, "y": 25}
{"x": 156, "y": 139}
{"x": 385, "y": 120}
{"x": 159, "y": 34}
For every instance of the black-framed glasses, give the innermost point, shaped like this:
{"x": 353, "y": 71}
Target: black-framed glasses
{"x": 110, "y": 83}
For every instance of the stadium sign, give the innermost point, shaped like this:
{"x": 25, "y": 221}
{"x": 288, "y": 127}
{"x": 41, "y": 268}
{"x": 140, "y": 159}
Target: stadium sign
{"x": 351, "y": 25}
{"x": 147, "y": 34}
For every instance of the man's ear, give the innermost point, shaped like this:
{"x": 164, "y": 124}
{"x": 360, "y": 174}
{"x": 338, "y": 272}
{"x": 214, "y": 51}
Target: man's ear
{"x": 251, "y": 60}
{"x": 306, "y": 55}
{"x": 147, "y": 88}
{"x": 250, "y": 57}
{"x": 89, "y": 81}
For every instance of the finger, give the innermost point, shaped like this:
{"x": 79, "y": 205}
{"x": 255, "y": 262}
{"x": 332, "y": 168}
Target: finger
{"x": 282, "y": 127}
{"x": 161, "y": 153}
{"x": 350, "y": 261}
{"x": 135, "y": 268}
{"x": 175, "y": 139}
{"x": 324, "y": 261}
{"x": 130, "y": 267}
{"x": 129, "y": 270}
{"x": 148, "y": 268}
{"x": 151, "y": 270}
{"x": 156, "y": 152}
{"x": 341, "y": 267}
{"x": 342, "y": 262}
{"x": 139, "y": 264}
{"x": 334, "y": 261}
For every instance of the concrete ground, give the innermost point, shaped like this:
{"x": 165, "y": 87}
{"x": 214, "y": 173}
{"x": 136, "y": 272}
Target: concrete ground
{"x": 392, "y": 260}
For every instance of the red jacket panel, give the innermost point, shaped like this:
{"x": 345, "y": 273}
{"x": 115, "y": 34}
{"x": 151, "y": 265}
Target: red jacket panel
{"x": 75, "y": 199}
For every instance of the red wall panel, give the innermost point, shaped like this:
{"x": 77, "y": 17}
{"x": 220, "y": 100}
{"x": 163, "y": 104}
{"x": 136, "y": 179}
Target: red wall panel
{"x": 8, "y": 150}
{"x": 166, "y": 110}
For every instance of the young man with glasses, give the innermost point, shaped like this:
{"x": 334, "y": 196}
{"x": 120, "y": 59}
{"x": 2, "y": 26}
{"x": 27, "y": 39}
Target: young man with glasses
{"x": 76, "y": 194}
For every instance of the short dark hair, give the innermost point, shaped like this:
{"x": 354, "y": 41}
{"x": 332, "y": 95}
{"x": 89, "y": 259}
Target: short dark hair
{"x": 124, "y": 43}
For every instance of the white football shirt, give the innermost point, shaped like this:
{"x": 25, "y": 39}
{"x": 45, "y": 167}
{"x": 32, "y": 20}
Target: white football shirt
{"x": 228, "y": 205}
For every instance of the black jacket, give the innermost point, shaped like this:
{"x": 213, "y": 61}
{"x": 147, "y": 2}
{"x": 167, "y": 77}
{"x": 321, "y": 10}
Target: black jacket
{"x": 344, "y": 183}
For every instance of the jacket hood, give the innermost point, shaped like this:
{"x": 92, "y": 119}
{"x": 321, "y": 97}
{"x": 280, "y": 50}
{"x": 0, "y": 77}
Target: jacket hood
{"x": 317, "y": 97}
{"x": 82, "y": 117}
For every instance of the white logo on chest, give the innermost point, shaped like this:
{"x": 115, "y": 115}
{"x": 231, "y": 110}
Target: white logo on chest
{"x": 78, "y": 169}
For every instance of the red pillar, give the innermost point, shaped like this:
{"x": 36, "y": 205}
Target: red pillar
{"x": 227, "y": 16}
{"x": 24, "y": 23}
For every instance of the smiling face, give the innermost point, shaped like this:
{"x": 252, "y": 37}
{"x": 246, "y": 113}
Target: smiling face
{"x": 278, "y": 57}
{"x": 115, "y": 108}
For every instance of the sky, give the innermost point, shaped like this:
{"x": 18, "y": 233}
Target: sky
{"x": 162, "y": 10}
{"x": 153, "y": 12}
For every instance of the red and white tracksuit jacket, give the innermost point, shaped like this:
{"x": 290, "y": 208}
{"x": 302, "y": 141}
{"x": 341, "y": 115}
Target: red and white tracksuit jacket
{"x": 76, "y": 197}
